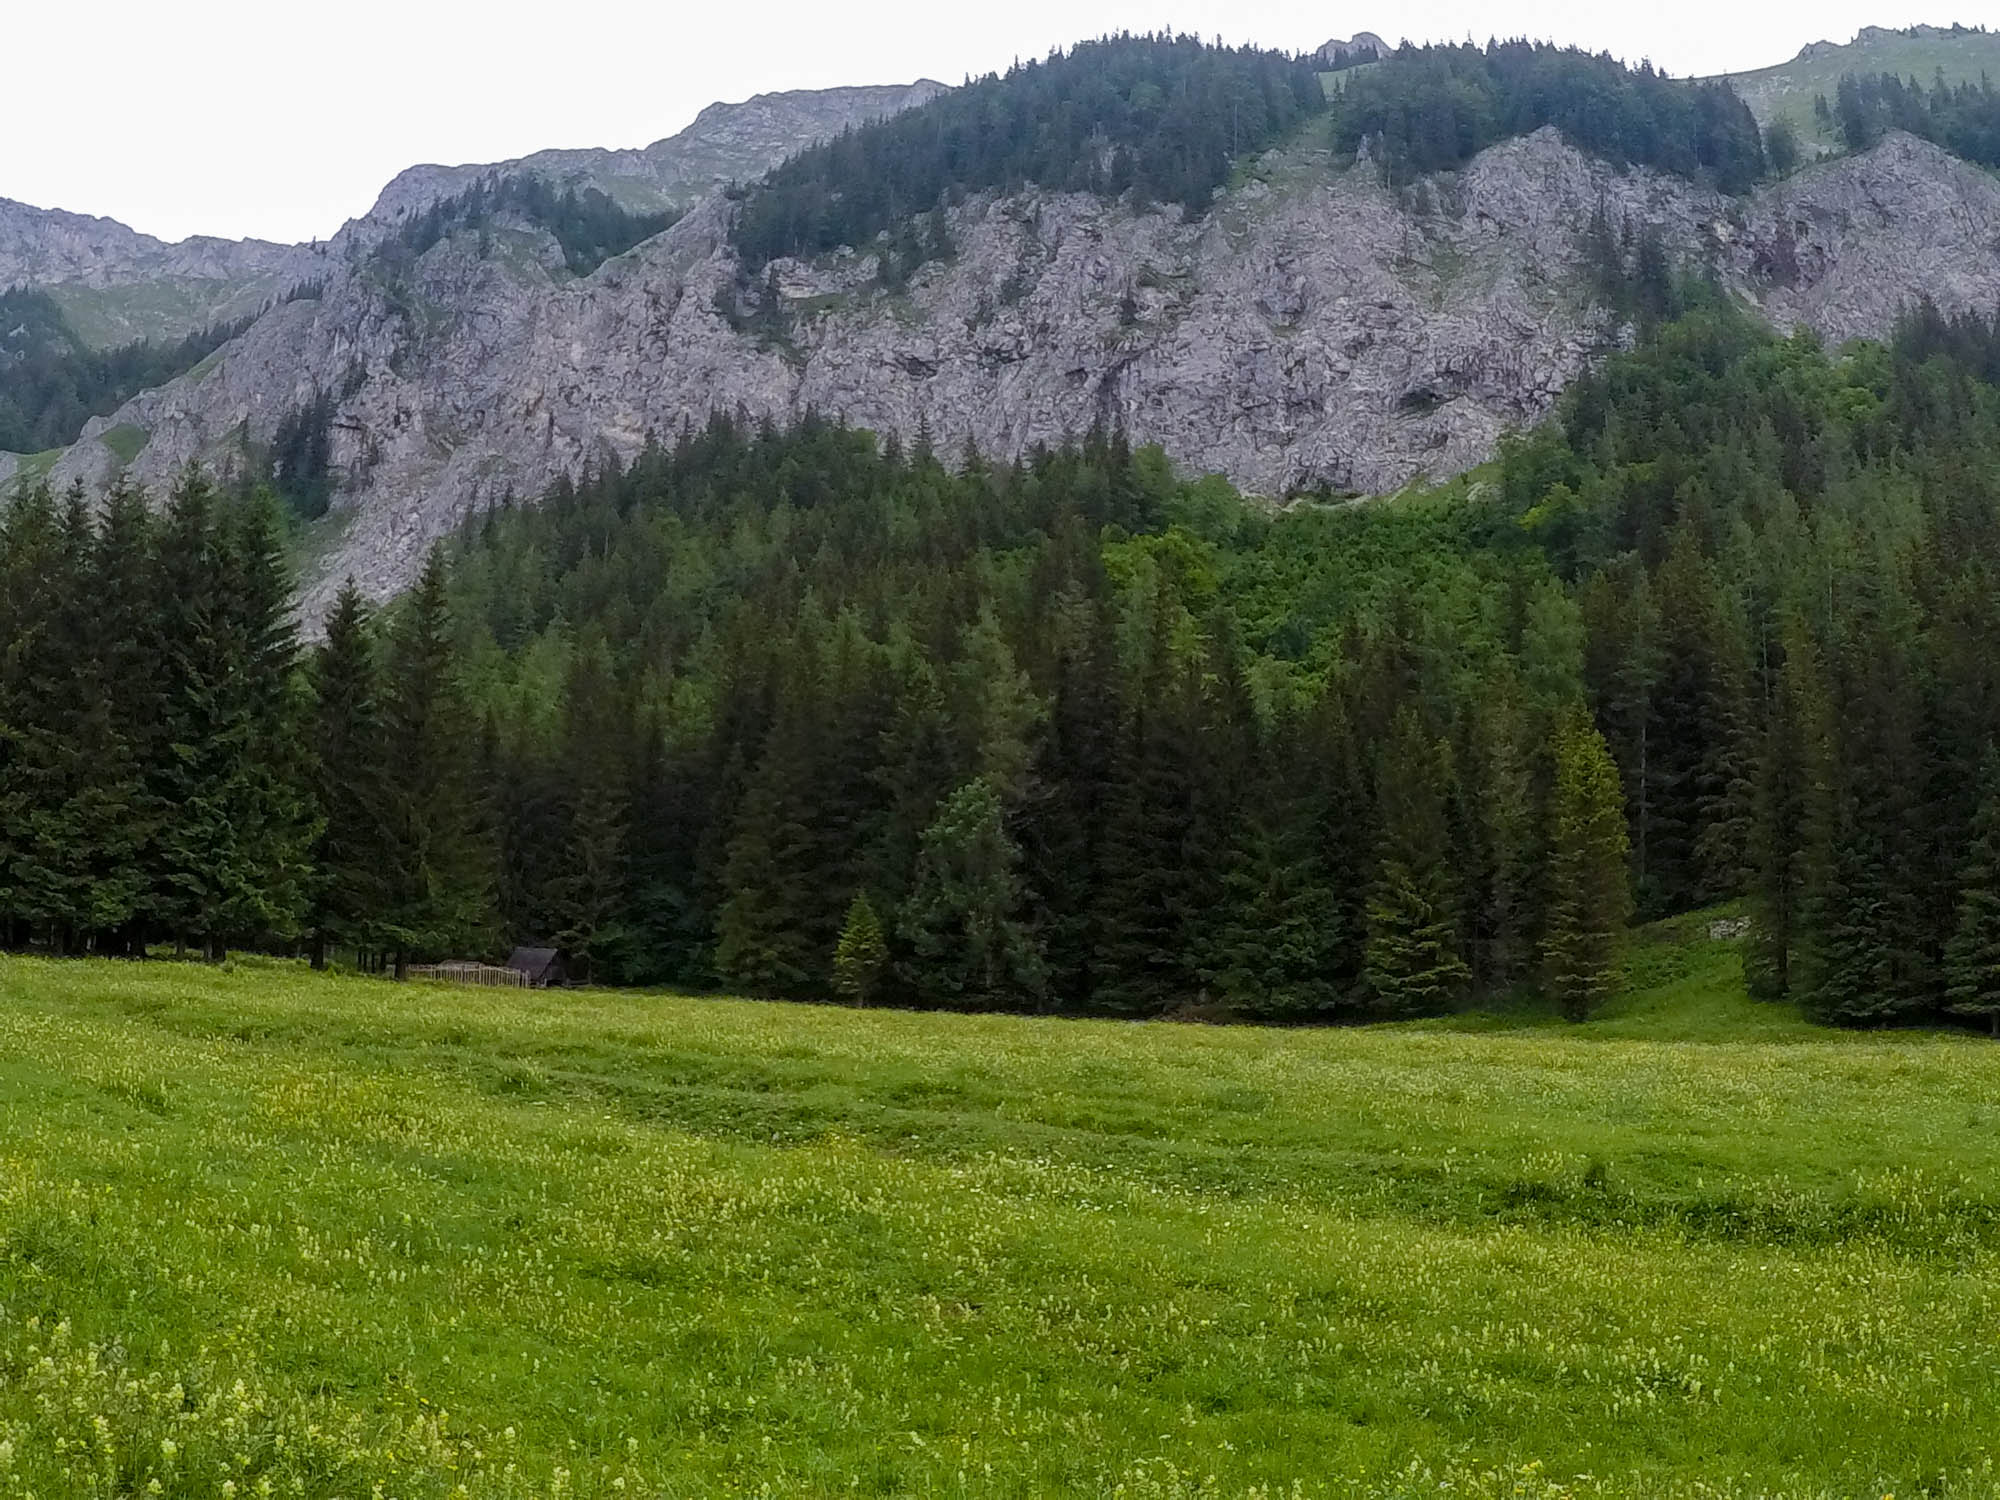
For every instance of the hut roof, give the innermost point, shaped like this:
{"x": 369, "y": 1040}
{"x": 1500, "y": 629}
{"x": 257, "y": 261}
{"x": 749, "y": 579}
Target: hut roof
{"x": 537, "y": 963}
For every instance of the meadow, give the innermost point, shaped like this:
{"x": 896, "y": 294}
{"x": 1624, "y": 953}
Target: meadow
{"x": 265, "y": 1232}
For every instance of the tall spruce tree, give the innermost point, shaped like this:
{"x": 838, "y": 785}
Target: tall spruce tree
{"x": 353, "y": 854}
{"x": 127, "y": 656}
{"x": 440, "y": 857}
{"x": 1150, "y": 897}
{"x": 1415, "y": 957}
{"x": 1590, "y": 896}
{"x": 589, "y": 861}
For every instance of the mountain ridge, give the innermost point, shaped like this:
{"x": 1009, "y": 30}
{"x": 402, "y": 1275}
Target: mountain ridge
{"x": 1317, "y": 329}
{"x": 1314, "y": 330}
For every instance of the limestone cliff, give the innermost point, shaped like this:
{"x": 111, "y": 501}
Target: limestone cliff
{"x": 1313, "y": 329}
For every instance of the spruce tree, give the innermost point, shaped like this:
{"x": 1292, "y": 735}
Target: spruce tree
{"x": 440, "y": 857}
{"x": 1790, "y": 770}
{"x": 968, "y": 943}
{"x": 1972, "y": 961}
{"x": 353, "y": 853}
{"x": 1415, "y": 958}
{"x": 1273, "y": 946}
{"x": 862, "y": 953}
{"x": 1150, "y": 897}
{"x": 272, "y": 820}
{"x": 589, "y": 871}
{"x": 205, "y": 734}
{"x": 1071, "y": 792}
{"x": 127, "y": 654}
{"x": 1589, "y": 892}
{"x": 765, "y": 938}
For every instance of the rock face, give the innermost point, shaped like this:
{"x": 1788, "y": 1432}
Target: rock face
{"x": 117, "y": 284}
{"x": 726, "y": 142}
{"x": 1360, "y": 46}
{"x": 1313, "y": 329}
{"x": 44, "y": 247}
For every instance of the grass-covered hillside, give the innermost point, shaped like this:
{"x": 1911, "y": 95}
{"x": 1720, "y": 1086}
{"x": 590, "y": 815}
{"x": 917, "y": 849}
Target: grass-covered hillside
{"x": 1787, "y": 91}
{"x": 307, "y": 1235}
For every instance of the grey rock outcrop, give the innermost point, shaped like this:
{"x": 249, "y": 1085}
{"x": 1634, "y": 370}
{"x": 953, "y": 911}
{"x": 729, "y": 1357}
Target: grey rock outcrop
{"x": 1314, "y": 329}
{"x": 119, "y": 284}
{"x": 46, "y": 247}
{"x": 726, "y": 142}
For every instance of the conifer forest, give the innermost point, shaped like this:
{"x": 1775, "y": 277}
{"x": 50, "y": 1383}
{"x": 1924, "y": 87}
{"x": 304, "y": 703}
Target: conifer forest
{"x": 807, "y": 713}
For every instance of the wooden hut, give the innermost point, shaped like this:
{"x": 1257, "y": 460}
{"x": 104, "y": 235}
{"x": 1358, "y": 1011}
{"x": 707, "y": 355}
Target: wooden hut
{"x": 542, "y": 967}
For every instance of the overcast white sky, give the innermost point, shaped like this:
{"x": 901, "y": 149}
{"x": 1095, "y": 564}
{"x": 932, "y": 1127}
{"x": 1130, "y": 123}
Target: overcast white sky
{"x": 279, "y": 120}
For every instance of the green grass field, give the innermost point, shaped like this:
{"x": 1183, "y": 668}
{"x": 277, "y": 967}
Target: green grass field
{"x": 268, "y": 1232}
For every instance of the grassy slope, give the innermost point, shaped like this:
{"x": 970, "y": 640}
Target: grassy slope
{"x": 1789, "y": 89}
{"x": 718, "y": 1247}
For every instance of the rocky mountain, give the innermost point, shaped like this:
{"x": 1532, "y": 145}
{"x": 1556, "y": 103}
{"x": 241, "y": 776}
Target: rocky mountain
{"x": 726, "y": 143}
{"x": 1363, "y": 46}
{"x": 116, "y": 284}
{"x": 1315, "y": 329}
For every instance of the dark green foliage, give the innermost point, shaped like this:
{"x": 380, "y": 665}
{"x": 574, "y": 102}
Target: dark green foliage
{"x": 862, "y": 953}
{"x": 1963, "y": 118}
{"x": 236, "y": 828}
{"x": 968, "y": 945}
{"x": 51, "y": 384}
{"x": 587, "y": 223}
{"x": 1415, "y": 960}
{"x": 439, "y": 868}
{"x": 1078, "y": 733}
{"x": 1433, "y": 108}
{"x": 1781, "y": 148}
{"x": 302, "y": 457}
{"x": 353, "y": 855}
{"x": 1162, "y": 116}
{"x": 1589, "y": 896}
{"x": 1972, "y": 962}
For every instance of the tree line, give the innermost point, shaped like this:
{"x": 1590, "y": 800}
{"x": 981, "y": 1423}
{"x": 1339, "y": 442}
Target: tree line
{"x": 799, "y": 712}
{"x": 1964, "y": 118}
{"x": 52, "y": 383}
{"x": 1433, "y": 108}
{"x": 1160, "y": 116}
{"x": 172, "y": 768}
{"x": 588, "y": 224}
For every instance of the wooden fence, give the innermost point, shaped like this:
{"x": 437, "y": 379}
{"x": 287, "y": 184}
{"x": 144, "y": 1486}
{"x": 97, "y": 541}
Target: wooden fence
{"x": 471, "y": 973}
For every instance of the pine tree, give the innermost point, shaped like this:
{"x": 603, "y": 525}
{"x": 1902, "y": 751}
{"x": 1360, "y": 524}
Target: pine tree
{"x": 350, "y": 780}
{"x": 1151, "y": 896}
{"x": 1972, "y": 962}
{"x": 205, "y": 859}
{"x": 969, "y": 945}
{"x": 1415, "y": 957}
{"x": 765, "y": 939}
{"x": 440, "y": 860}
{"x": 30, "y": 596}
{"x": 587, "y": 887}
{"x": 272, "y": 821}
{"x": 1273, "y": 946}
{"x": 1589, "y": 892}
{"x": 127, "y": 656}
{"x": 862, "y": 953}
{"x": 1790, "y": 766}
{"x": 1063, "y": 822}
